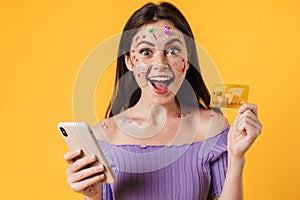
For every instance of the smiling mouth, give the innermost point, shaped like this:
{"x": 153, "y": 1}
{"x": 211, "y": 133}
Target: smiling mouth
{"x": 160, "y": 83}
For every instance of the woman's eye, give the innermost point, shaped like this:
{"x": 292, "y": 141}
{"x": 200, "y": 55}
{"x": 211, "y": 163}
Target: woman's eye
{"x": 173, "y": 51}
{"x": 145, "y": 52}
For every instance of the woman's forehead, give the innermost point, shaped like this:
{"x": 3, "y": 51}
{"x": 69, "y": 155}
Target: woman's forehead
{"x": 159, "y": 24}
{"x": 158, "y": 33}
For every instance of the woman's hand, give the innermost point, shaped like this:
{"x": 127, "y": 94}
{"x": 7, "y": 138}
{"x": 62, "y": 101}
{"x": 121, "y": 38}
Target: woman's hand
{"x": 244, "y": 131}
{"x": 83, "y": 176}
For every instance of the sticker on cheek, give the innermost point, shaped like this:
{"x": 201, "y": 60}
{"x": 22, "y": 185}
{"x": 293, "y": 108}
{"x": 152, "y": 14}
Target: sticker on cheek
{"x": 175, "y": 63}
{"x": 140, "y": 76}
{"x": 144, "y": 69}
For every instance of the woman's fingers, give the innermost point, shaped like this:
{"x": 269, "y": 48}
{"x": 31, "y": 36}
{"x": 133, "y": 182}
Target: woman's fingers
{"x": 248, "y": 106}
{"x": 250, "y": 117}
{"x": 85, "y": 173}
{"x": 81, "y": 163}
{"x": 245, "y": 129}
{"x": 247, "y": 121}
{"x": 83, "y": 185}
{"x": 252, "y": 128}
{"x": 72, "y": 155}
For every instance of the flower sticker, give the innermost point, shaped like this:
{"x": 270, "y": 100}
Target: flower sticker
{"x": 143, "y": 69}
{"x": 151, "y": 30}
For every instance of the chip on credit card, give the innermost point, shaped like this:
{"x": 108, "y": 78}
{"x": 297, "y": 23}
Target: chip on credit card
{"x": 229, "y": 95}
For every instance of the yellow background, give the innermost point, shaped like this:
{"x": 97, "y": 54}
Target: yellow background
{"x": 43, "y": 44}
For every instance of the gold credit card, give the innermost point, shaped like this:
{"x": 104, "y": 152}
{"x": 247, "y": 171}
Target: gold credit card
{"x": 229, "y": 95}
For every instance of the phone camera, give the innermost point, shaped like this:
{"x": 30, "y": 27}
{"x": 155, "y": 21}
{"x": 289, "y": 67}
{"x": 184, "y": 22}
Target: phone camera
{"x": 63, "y": 131}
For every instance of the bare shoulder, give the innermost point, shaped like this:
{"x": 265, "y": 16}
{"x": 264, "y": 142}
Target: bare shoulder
{"x": 104, "y": 129}
{"x": 212, "y": 122}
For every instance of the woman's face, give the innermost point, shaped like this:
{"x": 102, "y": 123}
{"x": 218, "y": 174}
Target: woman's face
{"x": 158, "y": 59}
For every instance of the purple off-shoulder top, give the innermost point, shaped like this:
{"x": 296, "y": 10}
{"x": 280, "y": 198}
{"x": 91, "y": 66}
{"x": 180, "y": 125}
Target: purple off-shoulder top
{"x": 191, "y": 171}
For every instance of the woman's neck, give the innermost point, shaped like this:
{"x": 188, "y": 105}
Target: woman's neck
{"x": 144, "y": 107}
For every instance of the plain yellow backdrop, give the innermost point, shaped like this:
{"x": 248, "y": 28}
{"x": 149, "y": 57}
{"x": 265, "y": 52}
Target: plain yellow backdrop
{"x": 44, "y": 43}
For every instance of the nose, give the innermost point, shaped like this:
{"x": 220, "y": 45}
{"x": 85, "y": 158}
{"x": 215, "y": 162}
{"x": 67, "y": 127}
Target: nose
{"x": 160, "y": 57}
{"x": 159, "y": 67}
{"x": 160, "y": 62}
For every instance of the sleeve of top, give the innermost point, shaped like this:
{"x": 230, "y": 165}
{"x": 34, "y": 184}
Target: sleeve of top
{"x": 106, "y": 191}
{"x": 218, "y": 175}
{"x": 219, "y": 164}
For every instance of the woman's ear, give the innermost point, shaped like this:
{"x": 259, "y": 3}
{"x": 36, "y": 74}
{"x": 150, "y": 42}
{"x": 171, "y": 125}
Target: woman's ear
{"x": 186, "y": 67}
{"x": 128, "y": 63}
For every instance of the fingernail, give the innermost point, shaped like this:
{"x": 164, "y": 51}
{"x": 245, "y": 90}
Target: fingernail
{"x": 102, "y": 176}
{"x": 101, "y": 167}
{"x": 93, "y": 157}
{"x": 242, "y": 107}
{"x": 78, "y": 151}
{"x": 240, "y": 110}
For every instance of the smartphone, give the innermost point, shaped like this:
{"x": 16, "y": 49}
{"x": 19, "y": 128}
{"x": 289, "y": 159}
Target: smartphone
{"x": 78, "y": 135}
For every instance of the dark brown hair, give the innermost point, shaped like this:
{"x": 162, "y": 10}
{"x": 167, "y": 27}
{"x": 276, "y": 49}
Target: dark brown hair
{"x": 192, "y": 92}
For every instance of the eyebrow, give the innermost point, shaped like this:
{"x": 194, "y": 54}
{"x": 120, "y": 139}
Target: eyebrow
{"x": 172, "y": 41}
{"x": 151, "y": 44}
{"x": 146, "y": 42}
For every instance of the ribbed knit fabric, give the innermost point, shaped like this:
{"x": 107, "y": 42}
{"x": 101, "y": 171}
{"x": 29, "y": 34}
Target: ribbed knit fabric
{"x": 191, "y": 171}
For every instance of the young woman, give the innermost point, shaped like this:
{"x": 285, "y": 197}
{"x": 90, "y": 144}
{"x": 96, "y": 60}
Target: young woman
{"x": 160, "y": 136}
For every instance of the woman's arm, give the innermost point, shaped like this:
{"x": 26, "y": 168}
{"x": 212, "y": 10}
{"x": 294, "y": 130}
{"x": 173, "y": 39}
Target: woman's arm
{"x": 242, "y": 134}
{"x": 233, "y": 185}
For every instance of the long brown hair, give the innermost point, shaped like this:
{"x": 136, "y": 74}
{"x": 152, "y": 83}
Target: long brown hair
{"x": 192, "y": 92}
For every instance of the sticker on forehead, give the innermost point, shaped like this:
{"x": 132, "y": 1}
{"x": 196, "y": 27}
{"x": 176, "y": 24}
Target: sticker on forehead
{"x": 151, "y": 30}
{"x": 158, "y": 33}
{"x": 167, "y": 31}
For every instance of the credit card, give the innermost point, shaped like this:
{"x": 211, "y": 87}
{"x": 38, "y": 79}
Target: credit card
{"x": 229, "y": 95}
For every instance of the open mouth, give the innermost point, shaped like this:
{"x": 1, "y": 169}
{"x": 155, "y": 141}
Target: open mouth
{"x": 160, "y": 83}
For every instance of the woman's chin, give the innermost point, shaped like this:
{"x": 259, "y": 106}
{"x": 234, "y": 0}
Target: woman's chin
{"x": 162, "y": 98}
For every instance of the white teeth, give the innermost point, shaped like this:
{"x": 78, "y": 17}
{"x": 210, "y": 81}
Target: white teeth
{"x": 160, "y": 78}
